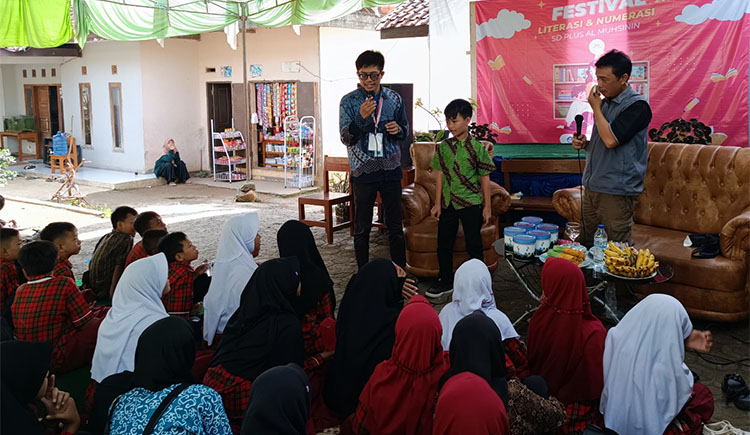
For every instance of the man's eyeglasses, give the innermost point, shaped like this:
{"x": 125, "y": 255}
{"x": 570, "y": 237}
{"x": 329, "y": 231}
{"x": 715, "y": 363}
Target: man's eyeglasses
{"x": 373, "y": 76}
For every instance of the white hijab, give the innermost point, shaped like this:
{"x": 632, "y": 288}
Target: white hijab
{"x": 135, "y": 306}
{"x": 233, "y": 267}
{"x": 646, "y": 381}
{"x": 472, "y": 291}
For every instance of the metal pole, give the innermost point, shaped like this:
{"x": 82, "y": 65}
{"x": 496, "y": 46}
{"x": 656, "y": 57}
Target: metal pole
{"x": 246, "y": 110}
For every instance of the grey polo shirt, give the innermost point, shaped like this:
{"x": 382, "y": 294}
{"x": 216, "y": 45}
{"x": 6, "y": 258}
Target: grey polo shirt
{"x": 620, "y": 170}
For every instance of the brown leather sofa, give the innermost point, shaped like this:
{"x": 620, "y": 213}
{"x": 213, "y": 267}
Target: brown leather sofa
{"x": 420, "y": 229}
{"x": 692, "y": 189}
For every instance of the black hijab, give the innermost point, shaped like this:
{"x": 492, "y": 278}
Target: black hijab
{"x": 365, "y": 332}
{"x": 165, "y": 354}
{"x": 279, "y": 402}
{"x": 265, "y": 331}
{"x": 23, "y": 366}
{"x": 296, "y": 240}
{"x": 477, "y": 347}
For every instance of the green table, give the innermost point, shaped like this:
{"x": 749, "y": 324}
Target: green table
{"x": 536, "y": 151}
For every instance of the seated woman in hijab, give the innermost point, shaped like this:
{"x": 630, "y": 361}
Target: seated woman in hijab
{"x": 163, "y": 359}
{"x": 472, "y": 291}
{"x": 476, "y": 347}
{"x": 264, "y": 332}
{"x": 169, "y": 166}
{"x": 24, "y": 376}
{"x": 566, "y": 344}
{"x": 411, "y": 375}
{"x": 279, "y": 403}
{"x": 648, "y": 389}
{"x": 239, "y": 243}
{"x": 467, "y": 405}
{"x": 136, "y": 306}
{"x": 365, "y": 332}
{"x": 314, "y": 306}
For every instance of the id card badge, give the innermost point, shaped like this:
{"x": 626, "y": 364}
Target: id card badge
{"x": 375, "y": 144}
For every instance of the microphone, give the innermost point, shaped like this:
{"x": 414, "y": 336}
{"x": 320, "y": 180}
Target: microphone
{"x": 579, "y": 122}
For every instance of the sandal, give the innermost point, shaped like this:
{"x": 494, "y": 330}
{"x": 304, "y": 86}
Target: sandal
{"x": 722, "y": 428}
{"x": 735, "y": 390}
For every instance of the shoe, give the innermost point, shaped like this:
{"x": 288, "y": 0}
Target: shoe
{"x": 722, "y": 428}
{"x": 735, "y": 390}
{"x": 439, "y": 290}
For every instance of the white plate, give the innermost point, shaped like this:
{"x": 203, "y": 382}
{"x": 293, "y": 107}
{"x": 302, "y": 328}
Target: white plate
{"x": 627, "y": 278}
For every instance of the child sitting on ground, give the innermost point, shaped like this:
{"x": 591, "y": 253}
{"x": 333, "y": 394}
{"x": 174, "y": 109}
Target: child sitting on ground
{"x": 52, "y": 308}
{"x": 461, "y": 189}
{"x": 188, "y": 286}
{"x": 111, "y": 251}
{"x": 10, "y": 245}
{"x": 64, "y": 235}
{"x": 150, "y": 241}
{"x": 148, "y": 220}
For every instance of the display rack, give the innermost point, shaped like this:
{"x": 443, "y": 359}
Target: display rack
{"x": 275, "y": 101}
{"x": 299, "y": 151}
{"x": 231, "y": 153}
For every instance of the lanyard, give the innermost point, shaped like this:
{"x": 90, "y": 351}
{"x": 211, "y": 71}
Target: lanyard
{"x": 380, "y": 111}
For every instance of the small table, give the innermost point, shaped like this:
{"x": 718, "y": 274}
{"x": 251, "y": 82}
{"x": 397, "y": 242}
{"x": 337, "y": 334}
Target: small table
{"x": 529, "y": 274}
{"x": 20, "y": 136}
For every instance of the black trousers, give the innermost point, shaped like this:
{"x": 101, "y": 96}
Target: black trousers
{"x": 471, "y": 220}
{"x": 364, "y": 201}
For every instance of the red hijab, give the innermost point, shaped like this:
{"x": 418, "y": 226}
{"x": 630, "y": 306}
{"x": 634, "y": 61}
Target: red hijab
{"x": 400, "y": 395}
{"x": 467, "y": 405}
{"x": 566, "y": 341}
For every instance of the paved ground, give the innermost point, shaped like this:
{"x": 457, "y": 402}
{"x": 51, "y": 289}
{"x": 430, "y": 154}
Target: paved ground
{"x": 200, "y": 211}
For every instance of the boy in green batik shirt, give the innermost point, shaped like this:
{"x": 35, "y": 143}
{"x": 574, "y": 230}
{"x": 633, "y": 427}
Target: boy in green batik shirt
{"x": 461, "y": 191}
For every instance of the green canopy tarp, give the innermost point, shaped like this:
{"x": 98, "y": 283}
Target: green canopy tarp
{"x": 35, "y": 23}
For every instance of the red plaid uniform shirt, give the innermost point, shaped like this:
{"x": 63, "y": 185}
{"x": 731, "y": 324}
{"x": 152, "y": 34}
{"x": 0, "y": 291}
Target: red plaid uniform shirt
{"x": 136, "y": 253}
{"x": 49, "y": 308}
{"x": 8, "y": 281}
{"x": 64, "y": 268}
{"x": 579, "y": 414}
{"x": 234, "y": 392}
{"x": 179, "y": 300}
{"x": 516, "y": 363}
{"x": 311, "y": 336}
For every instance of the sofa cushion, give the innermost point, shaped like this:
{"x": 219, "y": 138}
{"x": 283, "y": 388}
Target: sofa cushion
{"x": 719, "y": 273}
{"x": 422, "y": 237}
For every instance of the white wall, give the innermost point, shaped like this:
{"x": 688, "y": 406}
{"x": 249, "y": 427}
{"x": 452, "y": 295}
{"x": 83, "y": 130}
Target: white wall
{"x": 406, "y": 61}
{"x": 267, "y": 47}
{"x": 98, "y": 57}
{"x": 171, "y": 100}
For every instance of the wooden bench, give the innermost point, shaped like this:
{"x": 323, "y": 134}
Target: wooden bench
{"x": 537, "y": 166}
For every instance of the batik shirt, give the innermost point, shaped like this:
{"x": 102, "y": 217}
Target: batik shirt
{"x": 197, "y": 410}
{"x": 111, "y": 251}
{"x": 462, "y": 163}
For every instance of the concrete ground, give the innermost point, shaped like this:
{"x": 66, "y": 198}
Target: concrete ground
{"x": 200, "y": 211}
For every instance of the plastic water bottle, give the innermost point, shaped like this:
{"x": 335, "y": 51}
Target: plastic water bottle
{"x": 600, "y": 244}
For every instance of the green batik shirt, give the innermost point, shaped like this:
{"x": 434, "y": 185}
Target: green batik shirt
{"x": 462, "y": 163}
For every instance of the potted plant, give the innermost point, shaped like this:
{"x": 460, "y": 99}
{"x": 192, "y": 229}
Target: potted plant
{"x": 681, "y": 131}
{"x": 339, "y": 183}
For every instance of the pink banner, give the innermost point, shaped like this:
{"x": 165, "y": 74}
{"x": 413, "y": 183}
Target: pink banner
{"x": 535, "y": 63}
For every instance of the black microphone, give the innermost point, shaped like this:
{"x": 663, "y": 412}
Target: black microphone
{"x": 579, "y": 122}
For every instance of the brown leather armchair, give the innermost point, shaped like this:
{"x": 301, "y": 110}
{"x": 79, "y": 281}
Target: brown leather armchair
{"x": 421, "y": 229}
{"x": 692, "y": 189}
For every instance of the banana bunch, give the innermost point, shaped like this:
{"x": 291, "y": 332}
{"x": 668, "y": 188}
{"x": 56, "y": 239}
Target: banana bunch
{"x": 629, "y": 262}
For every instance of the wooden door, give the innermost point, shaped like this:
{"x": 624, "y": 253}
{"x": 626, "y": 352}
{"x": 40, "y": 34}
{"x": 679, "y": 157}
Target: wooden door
{"x": 219, "y": 97}
{"x": 43, "y": 112}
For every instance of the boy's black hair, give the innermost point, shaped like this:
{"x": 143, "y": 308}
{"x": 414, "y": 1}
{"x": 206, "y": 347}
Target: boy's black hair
{"x": 458, "y": 107}
{"x": 151, "y": 240}
{"x": 6, "y": 234}
{"x": 171, "y": 245}
{"x": 38, "y": 258}
{"x": 143, "y": 221}
{"x": 619, "y": 61}
{"x": 121, "y": 213}
{"x": 2, "y": 202}
{"x": 54, "y": 231}
{"x": 370, "y": 58}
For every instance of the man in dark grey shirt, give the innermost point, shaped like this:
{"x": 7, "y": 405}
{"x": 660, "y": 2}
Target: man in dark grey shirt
{"x": 617, "y": 152}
